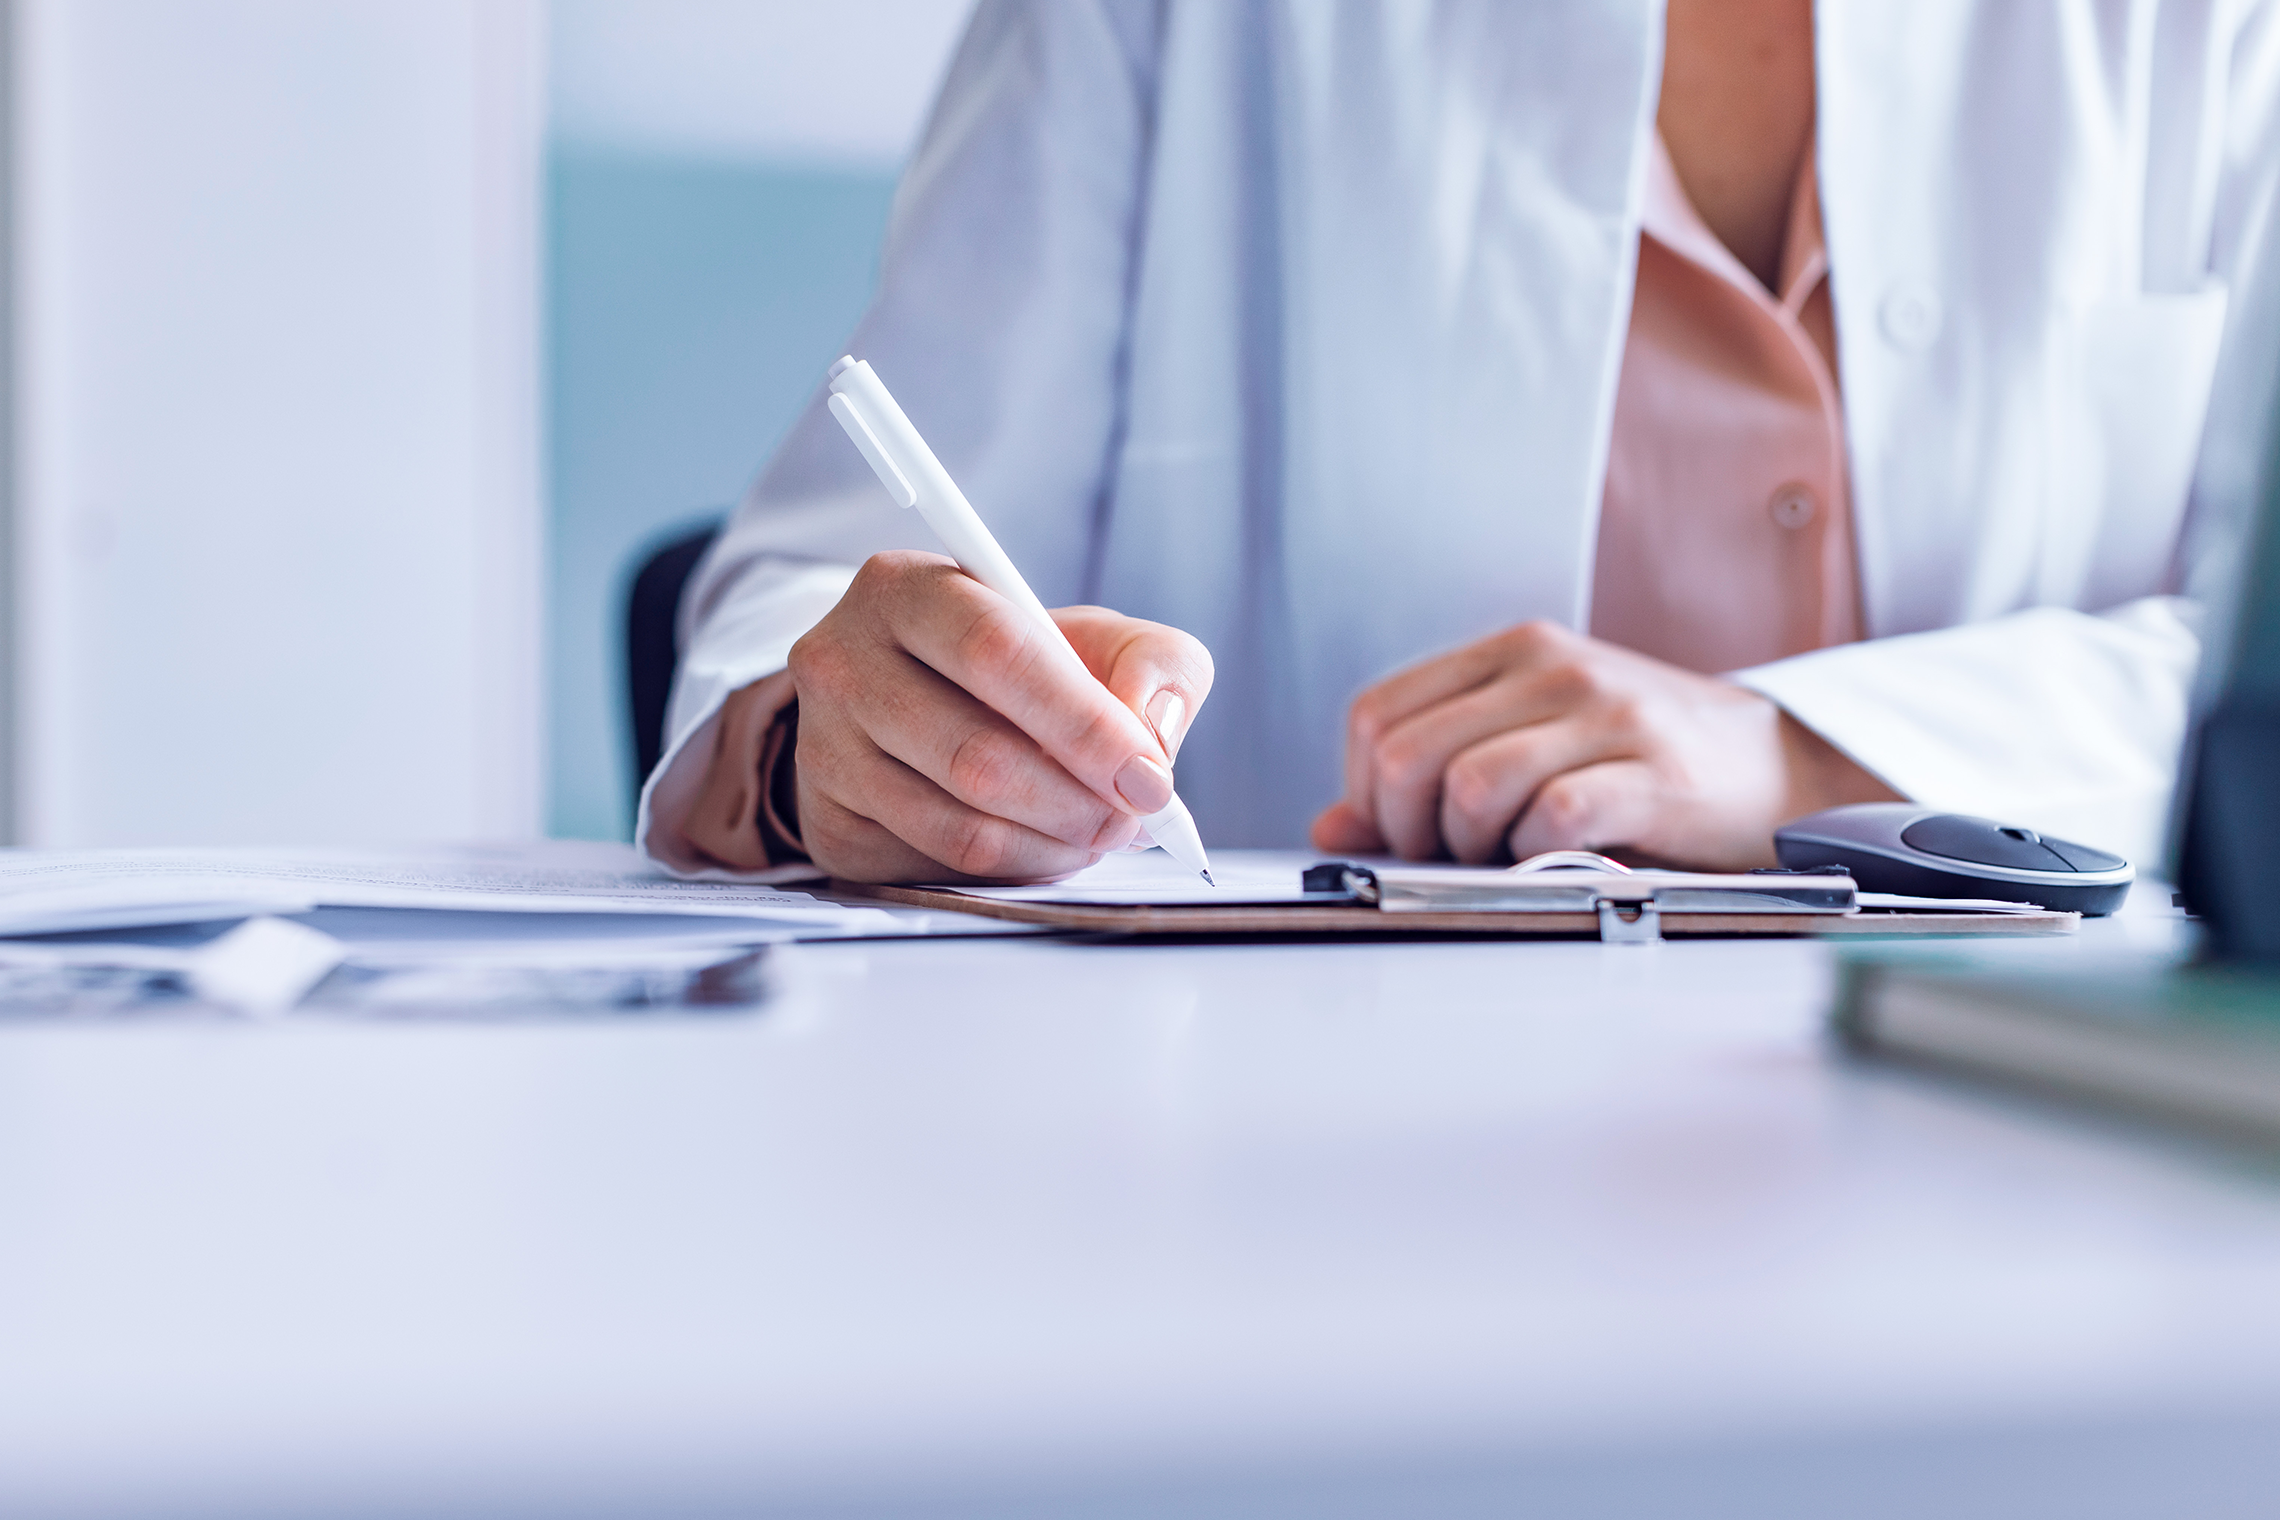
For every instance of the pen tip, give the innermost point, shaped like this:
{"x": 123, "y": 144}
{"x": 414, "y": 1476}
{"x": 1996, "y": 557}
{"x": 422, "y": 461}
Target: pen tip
{"x": 1207, "y": 881}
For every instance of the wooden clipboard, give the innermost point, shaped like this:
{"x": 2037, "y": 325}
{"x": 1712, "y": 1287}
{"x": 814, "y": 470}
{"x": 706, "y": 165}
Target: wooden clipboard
{"x": 1332, "y": 919}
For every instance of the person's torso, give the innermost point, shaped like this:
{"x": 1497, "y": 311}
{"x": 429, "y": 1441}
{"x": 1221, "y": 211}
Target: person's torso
{"x": 1384, "y": 282}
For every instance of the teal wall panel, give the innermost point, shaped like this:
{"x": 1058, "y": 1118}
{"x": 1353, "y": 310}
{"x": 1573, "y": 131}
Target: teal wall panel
{"x": 692, "y": 307}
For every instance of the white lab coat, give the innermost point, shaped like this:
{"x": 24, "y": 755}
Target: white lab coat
{"x": 1297, "y": 325}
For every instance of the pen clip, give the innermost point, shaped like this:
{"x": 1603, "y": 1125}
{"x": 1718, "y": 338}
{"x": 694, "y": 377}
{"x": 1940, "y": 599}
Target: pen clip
{"x": 858, "y": 430}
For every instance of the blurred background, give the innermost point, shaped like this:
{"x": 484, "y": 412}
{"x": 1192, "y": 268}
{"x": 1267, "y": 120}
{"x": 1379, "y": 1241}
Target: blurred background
{"x": 718, "y": 183}
{"x": 357, "y": 349}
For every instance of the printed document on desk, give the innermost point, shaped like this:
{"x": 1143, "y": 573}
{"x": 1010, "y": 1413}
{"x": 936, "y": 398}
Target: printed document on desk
{"x": 62, "y": 891}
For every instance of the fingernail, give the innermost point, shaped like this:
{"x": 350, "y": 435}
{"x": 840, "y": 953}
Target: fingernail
{"x": 1144, "y": 785}
{"x": 1167, "y": 715}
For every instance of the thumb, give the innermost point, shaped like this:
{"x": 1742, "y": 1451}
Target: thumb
{"x": 1342, "y": 830}
{"x": 1159, "y": 672}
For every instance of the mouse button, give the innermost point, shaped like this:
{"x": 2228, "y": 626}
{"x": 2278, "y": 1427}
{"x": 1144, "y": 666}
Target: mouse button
{"x": 2082, "y": 857}
{"x": 1982, "y": 843}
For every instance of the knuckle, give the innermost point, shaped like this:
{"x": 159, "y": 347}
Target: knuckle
{"x": 983, "y": 765}
{"x": 1523, "y": 643}
{"x": 1469, "y": 788}
{"x": 818, "y": 661}
{"x": 1102, "y": 739}
{"x": 824, "y": 829}
{"x": 1108, "y": 830}
{"x": 980, "y": 845}
{"x": 1563, "y": 809}
{"x": 902, "y": 564}
{"x": 995, "y": 639}
{"x": 878, "y": 575}
{"x": 1574, "y": 683}
{"x": 888, "y": 583}
{"x": 1365, "y": 721}
{"x": 1626, "y": 713}
{"x": 1404, "y": 763}
{"x": 1541, "y": 634}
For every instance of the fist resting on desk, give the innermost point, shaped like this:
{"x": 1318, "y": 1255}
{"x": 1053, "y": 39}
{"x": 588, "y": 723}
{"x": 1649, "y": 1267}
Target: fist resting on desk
{"x": 1539, "y": 739}
{"x": 937, "y": 739}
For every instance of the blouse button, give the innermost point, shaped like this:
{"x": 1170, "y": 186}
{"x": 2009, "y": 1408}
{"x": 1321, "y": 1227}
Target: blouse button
{"x": 1912, "y": 315}
{"x": 1793, "y": 506}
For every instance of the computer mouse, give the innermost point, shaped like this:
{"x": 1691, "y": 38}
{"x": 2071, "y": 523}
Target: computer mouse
{"x": 1923, "y": 852}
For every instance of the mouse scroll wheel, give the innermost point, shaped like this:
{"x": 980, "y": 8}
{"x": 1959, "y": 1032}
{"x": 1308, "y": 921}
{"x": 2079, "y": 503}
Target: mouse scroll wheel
{"x": 1982, "y": 842}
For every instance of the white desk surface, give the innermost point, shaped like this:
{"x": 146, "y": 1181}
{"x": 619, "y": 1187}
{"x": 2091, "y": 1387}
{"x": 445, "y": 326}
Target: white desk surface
{"x": 1024, "y": 1228}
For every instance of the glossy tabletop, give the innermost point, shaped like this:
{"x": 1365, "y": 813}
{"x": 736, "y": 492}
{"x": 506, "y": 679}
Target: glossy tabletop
{"x": 1014, "y": 1227}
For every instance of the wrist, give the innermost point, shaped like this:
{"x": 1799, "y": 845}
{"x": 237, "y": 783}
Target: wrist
{"x": 1820, "y": 775}
{"x": 725, "y": 822}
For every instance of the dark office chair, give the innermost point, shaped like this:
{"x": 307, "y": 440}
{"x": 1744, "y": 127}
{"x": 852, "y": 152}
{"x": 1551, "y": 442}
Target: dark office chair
{"x": 652, "y": 605}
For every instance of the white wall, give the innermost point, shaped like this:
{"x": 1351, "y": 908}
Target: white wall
{"x": 277, "y": 485}
{"x": 844, "y": 83}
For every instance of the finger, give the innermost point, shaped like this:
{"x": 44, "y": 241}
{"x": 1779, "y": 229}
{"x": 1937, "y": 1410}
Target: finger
{"x": 1487, "y": 786}
{"x": 1384, "y": 706}
{"x": 1599, "y": 807}
{"x": 863, "y": 851}
{"x": 853, "y": 848}
{"x": 983, "y": 643}
{"x": 1343, "y": 831}
{"x": 1410, "y": 768}
{"x": 950, "y": 838}
{"x": 863, "y": 691}
{"x": 1161, "y": 673}
{"x": 979, "y": 758}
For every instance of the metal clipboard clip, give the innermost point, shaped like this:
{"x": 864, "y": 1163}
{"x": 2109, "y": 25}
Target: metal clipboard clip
{"x": 1629, "y": 903}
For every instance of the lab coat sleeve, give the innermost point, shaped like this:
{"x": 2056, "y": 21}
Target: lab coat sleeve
{"x": 999, "y": 325}
{"x": 2069, "y": 720}
{"x": 2050, "y": 717}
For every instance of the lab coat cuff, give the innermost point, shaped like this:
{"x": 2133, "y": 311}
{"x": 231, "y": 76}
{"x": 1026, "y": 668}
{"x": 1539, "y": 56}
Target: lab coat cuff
{"x": 2060, "y": 720}
{"x": 746, "y": 639}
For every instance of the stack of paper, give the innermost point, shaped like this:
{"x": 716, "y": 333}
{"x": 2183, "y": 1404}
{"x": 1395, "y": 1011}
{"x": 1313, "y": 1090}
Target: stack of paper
{"x": 556, "y": 918}
{"x": 61, "y": 891}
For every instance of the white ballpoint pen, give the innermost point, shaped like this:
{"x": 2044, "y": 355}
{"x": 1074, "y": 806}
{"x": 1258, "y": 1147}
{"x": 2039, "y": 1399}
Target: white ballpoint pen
{"x": 915, "y": 478}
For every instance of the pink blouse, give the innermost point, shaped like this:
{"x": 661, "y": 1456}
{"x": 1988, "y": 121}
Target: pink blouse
{"x": 1725, "y": 535}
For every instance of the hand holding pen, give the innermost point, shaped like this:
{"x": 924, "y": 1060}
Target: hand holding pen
{"x": 950, "y": 730}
